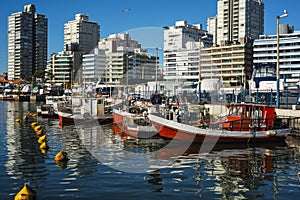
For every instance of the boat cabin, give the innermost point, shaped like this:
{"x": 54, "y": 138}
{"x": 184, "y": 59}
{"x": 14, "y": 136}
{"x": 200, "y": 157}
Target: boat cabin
{"x": 95, "y": 106}
{"x": 243, "y": 117}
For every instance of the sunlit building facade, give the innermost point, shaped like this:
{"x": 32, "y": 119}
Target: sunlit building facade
{"x": 27, "y": 43}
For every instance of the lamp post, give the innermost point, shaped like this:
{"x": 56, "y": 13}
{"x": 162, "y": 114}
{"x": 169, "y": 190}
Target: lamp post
{"x": 285, "y": 14}
{"x": 127, "y": 63}
{"x": 156, "y": 69}
{"x": 199, "y": 81}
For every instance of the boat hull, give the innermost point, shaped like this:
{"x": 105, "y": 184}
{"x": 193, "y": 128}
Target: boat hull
{"x": 66, "y": 118}
{"x": 173, "y": 130}
{"x": 122, "y": 125}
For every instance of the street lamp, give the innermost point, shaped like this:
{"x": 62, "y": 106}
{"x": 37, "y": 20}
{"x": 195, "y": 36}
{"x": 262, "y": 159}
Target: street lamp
{"x": 127, "y": 63}
{"x": 199, "y": 81}
{"x": 156, "y": 67}
{"x": 285, "y": 14}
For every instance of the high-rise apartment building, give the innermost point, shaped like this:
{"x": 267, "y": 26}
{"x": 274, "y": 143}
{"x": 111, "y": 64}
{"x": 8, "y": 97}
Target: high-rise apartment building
{"x": 62, "y": 68}
{"x": 121, "y": 42}
{"x": 81, "y": 35}
{"x": 184, "y": 36}
{"x": 238, "y": 19}
{"x": 212, "y": 26}
{"x": 289, "y": 53}
{"x": 94, "y": 66}
{"x": 27, "y": 43}
{"x": 181, "y": 51}
{"x": 123, "y": 54}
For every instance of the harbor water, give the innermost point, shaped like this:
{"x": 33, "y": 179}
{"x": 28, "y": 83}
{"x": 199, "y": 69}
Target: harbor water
{"x": 107, "y": 165}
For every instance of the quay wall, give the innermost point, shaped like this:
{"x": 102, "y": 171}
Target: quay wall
{"x": 24, "y": 98}
{"x": 216, "y": 109}
{"x": 287, "y": 112}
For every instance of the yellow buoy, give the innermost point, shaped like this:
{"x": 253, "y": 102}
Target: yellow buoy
{"x": 34, "y": 124}
{"x": 33, "y": 115}
{"x": 17, "y": 120}
{"x": 42, "y": 139}
{"x": 62, "y": 164}
{"x": 25, "y": 118}
{"x": 39, "y": 132}
{"x": 44, "y": 145}
{"x": 61, "y": 156}
{"x": 43, "y": 151}
{"x": 26, "y": 193}
{"x": 37, "y": 128}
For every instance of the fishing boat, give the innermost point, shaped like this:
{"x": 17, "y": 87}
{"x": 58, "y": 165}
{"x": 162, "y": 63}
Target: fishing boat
{"x": 54, "y": 101}
{"x": 47, "y": 111}
{"x": 86, "y": 109}
{"x": 244, "y": 123}
{"x": 133, "y": 124}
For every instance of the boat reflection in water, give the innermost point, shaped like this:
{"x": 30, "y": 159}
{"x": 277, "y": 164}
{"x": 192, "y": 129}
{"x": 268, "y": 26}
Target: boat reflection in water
{"x": 225, "y": 173}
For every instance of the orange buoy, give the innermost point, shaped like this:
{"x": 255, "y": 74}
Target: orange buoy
{"x": 26, "y": 193}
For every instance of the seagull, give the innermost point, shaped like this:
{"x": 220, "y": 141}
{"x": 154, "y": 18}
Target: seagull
{"x": 126, "y": 10}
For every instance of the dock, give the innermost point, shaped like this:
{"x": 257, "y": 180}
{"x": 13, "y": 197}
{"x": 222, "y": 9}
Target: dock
{"x": 23, "y": 98}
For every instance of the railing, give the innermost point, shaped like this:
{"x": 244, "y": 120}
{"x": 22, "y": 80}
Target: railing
{"x": 244, "y": 124}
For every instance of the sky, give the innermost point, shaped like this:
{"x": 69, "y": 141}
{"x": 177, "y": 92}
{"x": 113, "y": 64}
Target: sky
{"x": 144, "y": 19}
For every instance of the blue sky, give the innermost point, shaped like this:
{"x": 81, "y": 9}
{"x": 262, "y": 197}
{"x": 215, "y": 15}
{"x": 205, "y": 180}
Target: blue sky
{"x": 143, "y": 15}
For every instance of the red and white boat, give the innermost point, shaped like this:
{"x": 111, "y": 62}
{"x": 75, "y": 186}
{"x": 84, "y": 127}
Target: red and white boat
{"x": 245, "y": 123}
{"x": 132, "y": 124}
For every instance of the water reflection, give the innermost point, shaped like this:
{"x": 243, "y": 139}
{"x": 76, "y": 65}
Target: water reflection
{"x": 79, "y": 157}
{"x": 228, "y": 172}
{"x": 24, "y": 159}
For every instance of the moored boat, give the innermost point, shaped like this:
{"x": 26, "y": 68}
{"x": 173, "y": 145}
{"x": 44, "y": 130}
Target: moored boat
{"x": 134, "y": 125}
{"x": 47, "y": 110}
{"x": 86, "y": 110}
{"x": 245, "y": 123}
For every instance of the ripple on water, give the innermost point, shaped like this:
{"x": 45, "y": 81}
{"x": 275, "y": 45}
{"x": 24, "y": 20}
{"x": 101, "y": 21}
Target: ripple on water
{"x": 241, "y": 173}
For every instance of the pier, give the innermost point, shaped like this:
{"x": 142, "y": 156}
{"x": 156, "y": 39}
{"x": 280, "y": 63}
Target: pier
{"x": 23, "y": 98}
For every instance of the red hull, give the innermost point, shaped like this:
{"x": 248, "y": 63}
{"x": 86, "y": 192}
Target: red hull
{"x": 135, "y": 132}
{"x": 118, "y": 121}
{"x": 172, "y": 133}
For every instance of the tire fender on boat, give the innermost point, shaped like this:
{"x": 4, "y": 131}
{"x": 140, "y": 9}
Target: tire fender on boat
{"x": 271, "y": 133}
{"x": 87, "y": 116}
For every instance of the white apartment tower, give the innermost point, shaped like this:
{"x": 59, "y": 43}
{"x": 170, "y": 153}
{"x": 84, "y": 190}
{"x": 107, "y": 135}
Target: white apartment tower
{"x": 80, "y": 34}
{"x": 123, "y": 54}
{"x": 184, "y": 36}
{"x": 212, "y": 26}
{"x": 94, "y": 66}
{"x": 289, "y": 57}
{"x": 120, "y": 42}
{"x": 182, "y": 52}
{"x": 238, "y": 19}
{"x": 27, "y": 43}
